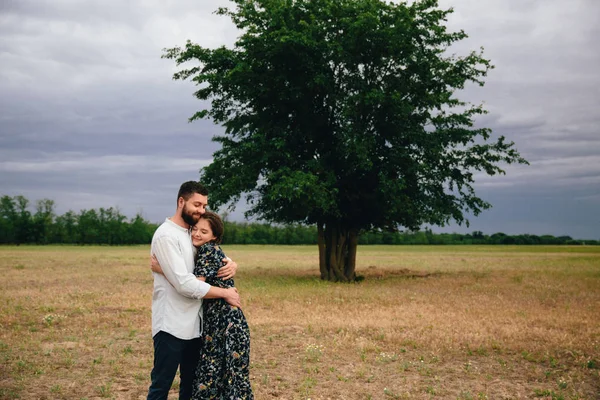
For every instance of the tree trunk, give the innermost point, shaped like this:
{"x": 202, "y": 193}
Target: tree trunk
{"x": 350, "y": 267}
{"x": 321, "y": 242}
{"x": 337, "y": 252}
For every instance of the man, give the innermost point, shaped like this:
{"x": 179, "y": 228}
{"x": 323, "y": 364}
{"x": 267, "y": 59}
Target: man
{"x": 177, "y": 296}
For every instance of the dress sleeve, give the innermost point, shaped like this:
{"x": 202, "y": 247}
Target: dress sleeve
{"x": 209, "y": 261}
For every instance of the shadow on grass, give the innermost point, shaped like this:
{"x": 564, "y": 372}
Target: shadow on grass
{"x": 311, "y": 277}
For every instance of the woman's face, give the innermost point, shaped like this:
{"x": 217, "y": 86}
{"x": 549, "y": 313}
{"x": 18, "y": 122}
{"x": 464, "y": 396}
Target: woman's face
{"x": 202, "y": 233}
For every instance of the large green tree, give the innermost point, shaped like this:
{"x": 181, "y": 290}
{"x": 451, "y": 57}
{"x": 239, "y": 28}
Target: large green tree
{"x": 344, "y": 114}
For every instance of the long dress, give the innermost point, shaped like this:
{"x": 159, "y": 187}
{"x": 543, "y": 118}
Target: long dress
{"x": 223, "y": 370}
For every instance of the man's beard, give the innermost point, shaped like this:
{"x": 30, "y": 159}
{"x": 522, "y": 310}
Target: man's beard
{"x": 188, "y": 218}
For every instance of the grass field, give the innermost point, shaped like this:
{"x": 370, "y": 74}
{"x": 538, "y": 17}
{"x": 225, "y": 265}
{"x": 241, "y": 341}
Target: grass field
{"x": 470, "y": 322}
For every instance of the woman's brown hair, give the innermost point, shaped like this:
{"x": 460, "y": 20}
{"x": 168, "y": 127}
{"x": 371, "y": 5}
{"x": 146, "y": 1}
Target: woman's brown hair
{"x": 216, "y": 225}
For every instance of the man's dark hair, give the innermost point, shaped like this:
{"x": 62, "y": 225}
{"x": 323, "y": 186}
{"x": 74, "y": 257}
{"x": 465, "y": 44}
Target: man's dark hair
{"x": 216, "y": 225}
{"x": 188, "y": 189}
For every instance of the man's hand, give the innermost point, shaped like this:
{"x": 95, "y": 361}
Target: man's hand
{"x": 155, "y": 266}
{"x": 228, "y": 270}
{"x": 232, "y": 297}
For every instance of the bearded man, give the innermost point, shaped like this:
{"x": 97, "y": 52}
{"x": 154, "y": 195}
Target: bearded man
{"x": 177, "y": 297}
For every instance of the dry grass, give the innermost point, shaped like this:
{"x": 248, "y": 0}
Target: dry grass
{"x": 427, "y": 322}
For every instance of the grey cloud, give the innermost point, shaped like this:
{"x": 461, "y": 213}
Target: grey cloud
{"x": 90, "y": 117}
{"x": 539, "y": 212}
{"x": 132, "y": 184}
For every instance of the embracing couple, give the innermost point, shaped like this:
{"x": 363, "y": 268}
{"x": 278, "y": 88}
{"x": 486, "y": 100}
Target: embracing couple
{"x": 208, "y": 340}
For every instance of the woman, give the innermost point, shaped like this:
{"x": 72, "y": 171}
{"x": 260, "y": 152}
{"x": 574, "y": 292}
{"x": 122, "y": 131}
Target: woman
{"x": 223, "y": 369}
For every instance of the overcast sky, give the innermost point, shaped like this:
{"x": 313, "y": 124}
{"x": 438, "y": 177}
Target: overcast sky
{"x": 90, "y": 117}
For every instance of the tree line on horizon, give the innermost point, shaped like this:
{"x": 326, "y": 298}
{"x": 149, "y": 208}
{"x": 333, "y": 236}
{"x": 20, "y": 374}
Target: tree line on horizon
{"x": 107, "y": 226}
{"x": 19, "y": 225}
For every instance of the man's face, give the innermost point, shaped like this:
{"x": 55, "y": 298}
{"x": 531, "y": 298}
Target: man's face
{"x": 193, "y": 208}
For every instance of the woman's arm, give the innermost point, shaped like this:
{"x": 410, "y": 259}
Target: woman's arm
{"x": 155, "y": 265}
{"x": 175, "y": 267}
{"x": 230, "y": 295}
{"x": 227, "y": 271}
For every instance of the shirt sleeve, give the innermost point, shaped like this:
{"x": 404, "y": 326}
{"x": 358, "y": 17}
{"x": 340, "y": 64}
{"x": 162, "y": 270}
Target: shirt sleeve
{"x": 172, "y": 262}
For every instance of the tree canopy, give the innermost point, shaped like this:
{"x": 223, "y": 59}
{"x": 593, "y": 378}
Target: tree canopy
{"x": 344, "y": 114}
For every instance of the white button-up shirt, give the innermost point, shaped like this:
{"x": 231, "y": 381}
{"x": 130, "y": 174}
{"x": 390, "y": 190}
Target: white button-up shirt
{"x": 176, "y": 305}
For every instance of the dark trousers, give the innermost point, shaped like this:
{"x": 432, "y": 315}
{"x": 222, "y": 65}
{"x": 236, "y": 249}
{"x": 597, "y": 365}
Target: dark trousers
{"x": 169, "y": 353}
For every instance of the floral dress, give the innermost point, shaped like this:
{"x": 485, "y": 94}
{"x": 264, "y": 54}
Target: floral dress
{"x": 223, "y": 370}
